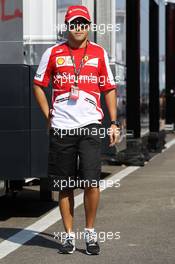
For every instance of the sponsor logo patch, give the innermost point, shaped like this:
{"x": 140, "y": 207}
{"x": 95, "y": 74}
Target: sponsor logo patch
{"x": 59, "y": 51}
{"x": 63, "y": 61}
{"x": 86, "y": 58}
{"x": 38, "y": 75}
{"x": 92, "y": 62}
{"x": 60, "y": 61}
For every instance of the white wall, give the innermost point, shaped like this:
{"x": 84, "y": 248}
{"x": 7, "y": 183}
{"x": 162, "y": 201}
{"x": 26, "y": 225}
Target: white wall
{"x": 39, "y": 20}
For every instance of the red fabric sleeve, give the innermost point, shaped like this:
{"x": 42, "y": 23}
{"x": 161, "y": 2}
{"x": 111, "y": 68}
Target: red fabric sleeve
{"x": 106, "y": 79}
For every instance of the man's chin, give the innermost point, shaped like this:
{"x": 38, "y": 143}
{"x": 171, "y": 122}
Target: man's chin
{"x": 79, "y": 38}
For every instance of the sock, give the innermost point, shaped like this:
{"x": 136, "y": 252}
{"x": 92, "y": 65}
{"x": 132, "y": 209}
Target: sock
{"x": 89, "y": 229}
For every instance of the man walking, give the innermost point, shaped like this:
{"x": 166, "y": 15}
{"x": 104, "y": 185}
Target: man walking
{"x": 80, "y": 72}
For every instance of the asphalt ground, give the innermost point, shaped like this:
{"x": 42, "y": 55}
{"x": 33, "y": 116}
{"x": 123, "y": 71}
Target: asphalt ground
{"x": 141, "y": 211}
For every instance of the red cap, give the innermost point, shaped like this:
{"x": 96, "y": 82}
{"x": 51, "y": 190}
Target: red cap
{"x": 77, "y": 11}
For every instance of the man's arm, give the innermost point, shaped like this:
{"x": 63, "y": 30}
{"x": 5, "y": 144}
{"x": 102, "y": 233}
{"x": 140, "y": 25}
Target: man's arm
{"x": 41, "y": 100}
{"x": 111, "y": 103}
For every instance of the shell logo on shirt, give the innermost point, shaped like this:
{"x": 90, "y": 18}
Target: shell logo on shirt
{"x": 63, "y": 61}
{"x": 60, "y": 61}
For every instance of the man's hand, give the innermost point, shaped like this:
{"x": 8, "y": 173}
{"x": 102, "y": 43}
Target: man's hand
{"x": 114, "y": 135}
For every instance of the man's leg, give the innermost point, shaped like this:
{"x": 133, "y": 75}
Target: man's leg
{"x": 66, "y": 204}
{"x": 91, "y": 200}
{"x": 62, "y": 168}
{"x": 90, "y": 170}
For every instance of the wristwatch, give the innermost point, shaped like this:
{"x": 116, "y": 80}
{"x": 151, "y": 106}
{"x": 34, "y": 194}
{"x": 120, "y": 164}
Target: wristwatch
{"x": 116, "y": 122}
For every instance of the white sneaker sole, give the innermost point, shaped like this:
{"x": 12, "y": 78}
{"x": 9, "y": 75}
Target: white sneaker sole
{"x": 70, "y": 252}
{"x": 88, "y": 253}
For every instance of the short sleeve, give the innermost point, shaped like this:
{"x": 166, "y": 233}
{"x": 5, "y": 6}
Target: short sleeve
{"x": 43, "y": 73}
{"x": 106, "y": 79}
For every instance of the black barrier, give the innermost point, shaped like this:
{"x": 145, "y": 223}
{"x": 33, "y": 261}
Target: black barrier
{"x": 170, "y": 63}
{"x": 136, "y": 152}
{"x": 38, "y": 132}
{"x": 23, "y": 137}
{"x": 156, "y": 139}
{"x": 14, "y": 122}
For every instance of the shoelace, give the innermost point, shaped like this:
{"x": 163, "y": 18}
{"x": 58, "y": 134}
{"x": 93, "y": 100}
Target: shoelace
{"x": 92, "y": 237}
{"x": 68, "y": 240}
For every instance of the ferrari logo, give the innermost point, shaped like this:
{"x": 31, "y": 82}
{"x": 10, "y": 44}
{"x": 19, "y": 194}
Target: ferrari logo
{"x": 86, "y": 58}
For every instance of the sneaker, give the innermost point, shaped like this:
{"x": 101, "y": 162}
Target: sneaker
{"x": 68, "y": 246}
{"x": 92, "y": 246}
